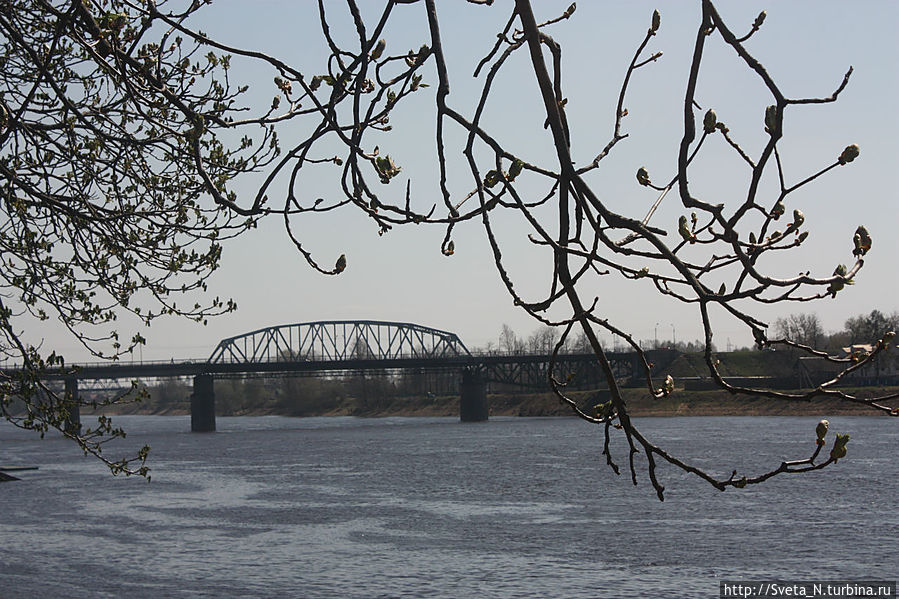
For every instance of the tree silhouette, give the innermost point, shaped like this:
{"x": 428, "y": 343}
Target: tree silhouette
{"x": 802, "y": 328}
{"x": 123, "y": 133}
{"x": 867, "y": 327}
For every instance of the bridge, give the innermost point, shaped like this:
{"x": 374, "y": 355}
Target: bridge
{"x": 324, "y": 348}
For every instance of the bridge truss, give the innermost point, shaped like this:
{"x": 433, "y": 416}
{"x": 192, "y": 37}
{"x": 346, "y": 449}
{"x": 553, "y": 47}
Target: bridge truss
{"x": 579, "y": 371}
{"x": 341, "y": 340}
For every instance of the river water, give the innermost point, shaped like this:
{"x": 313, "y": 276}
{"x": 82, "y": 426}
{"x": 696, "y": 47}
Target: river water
{"x": 430, "y": 507}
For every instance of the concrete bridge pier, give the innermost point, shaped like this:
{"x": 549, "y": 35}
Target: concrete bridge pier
{"x": 70, "y": 399}
{"x": 202, "y": 405}
{"x": 473, "y": 396}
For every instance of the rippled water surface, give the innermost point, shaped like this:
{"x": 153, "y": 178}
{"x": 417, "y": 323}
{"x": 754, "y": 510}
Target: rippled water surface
{"x": 430, "y": 507}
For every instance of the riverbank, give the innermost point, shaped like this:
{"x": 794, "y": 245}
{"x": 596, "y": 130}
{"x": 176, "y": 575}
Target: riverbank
{"x": 692, "y": 403}
{"x": 681, "y": 403}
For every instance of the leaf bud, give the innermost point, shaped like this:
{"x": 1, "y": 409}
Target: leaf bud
{"x": 684, "y": 228}
{"x": 668, "y": 389}
{"x": 387, "y": 168}
{"x": 378, "y": 49}
{"x": 656, "y": 21}
{"x": 643, "y": 176}
{"x": 603, "y": 410}
{"x": 492, "y": 178}
{"x": 771, "y": 119}
{"x": 839, "y": 447}
{"x": 778, "y": 210}
{"x": 821, "y": 431}
{"x": 761, "y": 339}
{"x": 759, "y": 20}
{"x": 340, "y": 266}
{"x": 709, "y": 122}
{"x": 862, "y": 241}
{"x": 833, "y": 288}
{"x": 849, "y": 154}
{"x": 414, "y": 59}
{"x": 515, "y": 169}
{"x": 283, "y": 85}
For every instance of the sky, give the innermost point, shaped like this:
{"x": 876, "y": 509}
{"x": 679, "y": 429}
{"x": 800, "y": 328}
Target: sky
{"x": 807, "y": 46}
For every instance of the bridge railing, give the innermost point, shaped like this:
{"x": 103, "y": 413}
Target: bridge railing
{"x": 477, "y": 353}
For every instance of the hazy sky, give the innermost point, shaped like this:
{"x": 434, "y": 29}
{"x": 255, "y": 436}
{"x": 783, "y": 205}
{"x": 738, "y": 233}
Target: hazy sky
{"x": 806, "y": 46}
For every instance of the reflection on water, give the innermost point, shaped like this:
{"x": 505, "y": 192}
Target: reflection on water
{"x": 429, "y": 507}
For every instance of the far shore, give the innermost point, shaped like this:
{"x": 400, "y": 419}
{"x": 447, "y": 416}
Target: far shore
{"x": 681, "y": 403}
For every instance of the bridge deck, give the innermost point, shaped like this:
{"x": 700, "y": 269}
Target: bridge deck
{"x": 500, "y": 365}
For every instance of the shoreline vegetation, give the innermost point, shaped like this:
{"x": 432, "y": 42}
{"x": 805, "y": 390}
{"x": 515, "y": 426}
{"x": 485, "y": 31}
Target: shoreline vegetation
{"x": 681, "y": 403}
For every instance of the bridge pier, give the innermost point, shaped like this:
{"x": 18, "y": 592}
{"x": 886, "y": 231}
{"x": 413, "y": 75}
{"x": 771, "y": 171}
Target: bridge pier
{"x": 70, "y": 399}
{"x": 473, "y": 396}
{"x": 202, "y": 405}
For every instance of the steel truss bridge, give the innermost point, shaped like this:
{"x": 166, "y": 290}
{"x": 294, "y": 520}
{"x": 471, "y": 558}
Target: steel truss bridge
{"x": 327, "y": 348}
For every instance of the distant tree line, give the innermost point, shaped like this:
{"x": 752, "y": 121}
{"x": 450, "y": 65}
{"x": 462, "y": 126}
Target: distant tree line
{"x": 545, "y": 338}
{"x": 803, "y": 328}
{"x": 806, "y": 329}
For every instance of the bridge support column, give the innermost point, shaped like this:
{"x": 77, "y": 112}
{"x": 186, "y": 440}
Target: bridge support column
{"x": 473, "y": 397}
{"x": 202, "y": 405}
{"x": 70, "y": 398}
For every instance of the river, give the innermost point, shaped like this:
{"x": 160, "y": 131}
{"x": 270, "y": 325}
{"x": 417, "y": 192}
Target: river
{"x": 429, "y": 507}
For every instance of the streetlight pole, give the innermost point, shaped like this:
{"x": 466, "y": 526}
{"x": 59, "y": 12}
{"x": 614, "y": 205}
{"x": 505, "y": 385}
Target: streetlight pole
{"x": 657, "y": 337}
